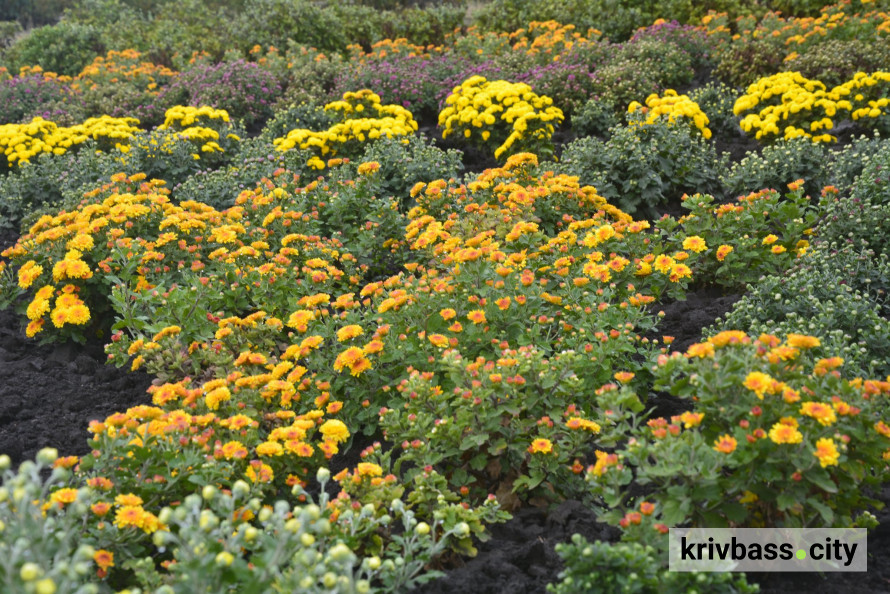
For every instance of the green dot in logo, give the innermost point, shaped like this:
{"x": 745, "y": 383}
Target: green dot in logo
{"x": 801, "y": 554}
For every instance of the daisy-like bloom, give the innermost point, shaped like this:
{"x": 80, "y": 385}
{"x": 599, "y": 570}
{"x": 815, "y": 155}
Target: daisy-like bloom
{"x": 782, "y": 353}
{"x": 826, "y": 452}
{"x": 258, "y": 472}
{"x": 438, "y": 340}
{"x": 299, "y": 448}
{"x": 679, "y": 271}
{"x": 234, "y": 449}
{"x": 125, "y": 499}
{"x": 64, "y": 496}
{"x": 583, "y": 424}
{"x": 334, "y": 430}
{"x": 541, "y": 446}
{"x": 100, "y": 508}
{"x": 778, "y": 249}
{"x": 28, "y": 273}
{"x": 368, "y": 167}
{"x": 129, "y": 516}
{"x": 329, "y": 448}
{"x": 700, "y": 350}
{"x": 299, "y": 320}
{"x": 819, "y": 411}
{"x": 647, "y": 508}
{"x": 691, "y": 419}
{"x": 782, "y": 433}
{"x": 770, "y": 239}
{"x": 624, "y": 376}
{"x": 758, "y": 382}
{"x": 726, "y": 337}
{"x": 447, "y": 313}
{"x": 663, "y": 264}
{"x": 882, "y": 428}
{"x": 375, "y": 346}
{"x": 723, "y": 251}
{"x": 802, "y": 341}
{"x": 360, "y": 366}
{"x": 349, "y": 332}
{"x": 348, "y": 358}
{"x": 725, "y": 443}
{"x": 104, "y": 559}
{"x": 694, "y": 243}
{"x": 823, "y": 366}
{"x": 603, "y": 462}
{"x": 100, "y": 482}
{"x": 477, "y": 316}
{"x": 215, "y": 397}
{"x": 270, "y": 448}
{"x": 503, "y": 303}
{"x": 368, "y": 469}
{"x": 456, "y": 327}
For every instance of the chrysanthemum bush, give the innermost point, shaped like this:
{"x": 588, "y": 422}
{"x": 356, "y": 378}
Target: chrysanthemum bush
{"x": 505, "y": 118}
{"x": 673, "y": 107}
{"x": 790, "y": 105}
{"x": 358, "y": 118}
{"x": 775, "y": 437}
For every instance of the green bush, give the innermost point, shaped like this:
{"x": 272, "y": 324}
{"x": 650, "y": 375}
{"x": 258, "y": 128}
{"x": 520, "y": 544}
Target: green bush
{"x": 834, "y": 292}
{"x": 742, "y": 64}
{"x": 846, "y": 164}
{"x": 51, "y": 181}
{"x": 407, "y": 161}
{"x": 256, "y": 159}
{"x": 835, "y": 61}
{"x": 64, "y": 48}
{"x": 778, "y": 165}
{"x": 632, "y": 567}
{"x": 595, "y": 118}
{"x": 716, "y": 100}
{"x": 641, "y": 167}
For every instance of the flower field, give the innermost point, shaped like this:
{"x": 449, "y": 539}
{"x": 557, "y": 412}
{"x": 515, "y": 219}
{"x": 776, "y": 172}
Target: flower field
{"x": 387, "y": 296}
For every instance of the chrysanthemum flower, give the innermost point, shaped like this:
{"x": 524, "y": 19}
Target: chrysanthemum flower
{"x": 541, "y": 446}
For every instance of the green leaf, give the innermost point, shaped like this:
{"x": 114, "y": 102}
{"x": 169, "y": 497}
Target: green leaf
{"x": 826, "y": 512}
{"x": 786, "y": 500}
{"x": 821, "y": 479}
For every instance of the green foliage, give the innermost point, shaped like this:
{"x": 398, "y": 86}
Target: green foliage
{"x": 407, "y": 161}
{"x": 256, "y": 160}
{"x": 631, "y": 567}
{"x": 716, "y": 100}
{"x": 64, "y": 48}
{"x": 834, "y": 292}
{"x": 303, "y": 115}
{"x": 778, "y": 165}
{"x": 51, "y": 182}
{"x": 846, "y": 164}
{"x": 595, "y": 118}
{"x": 742, "y": 64}
{"x": 641, "y": 167}
{"x": 835, "y": 61}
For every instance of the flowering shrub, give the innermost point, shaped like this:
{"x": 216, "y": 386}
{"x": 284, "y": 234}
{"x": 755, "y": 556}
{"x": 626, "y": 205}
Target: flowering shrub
{"x": 358, "y": 118}
{"x": 785, "y": 446}
{"x": 673, "y": 106}
{"x": 641, "y": 167}
{"x": 789, "y": 105}
{"x": 22, "y": 142}
{"x": 244, "y": 89}
{"x": 870, "y": 94}
{"x": 32, "y": 95}
{"x": 123, "y": 83}
{"x": 508, "y": 116}
{"x": 809, "y": 297}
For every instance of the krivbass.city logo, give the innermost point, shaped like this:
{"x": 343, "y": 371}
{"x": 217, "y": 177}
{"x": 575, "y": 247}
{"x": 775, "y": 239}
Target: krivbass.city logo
{"x": 768, "y": 549}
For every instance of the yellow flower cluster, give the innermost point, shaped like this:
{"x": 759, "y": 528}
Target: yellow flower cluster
{"x": 362, "y": 118}
{"x": 869, "y": 98}
{"x": 512, "y": 113}
{"x": 790, "y": 106}
{"x": 674, "y": 107}
{"x": 182, "y": 117}
{"x": 21, "y": 142}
